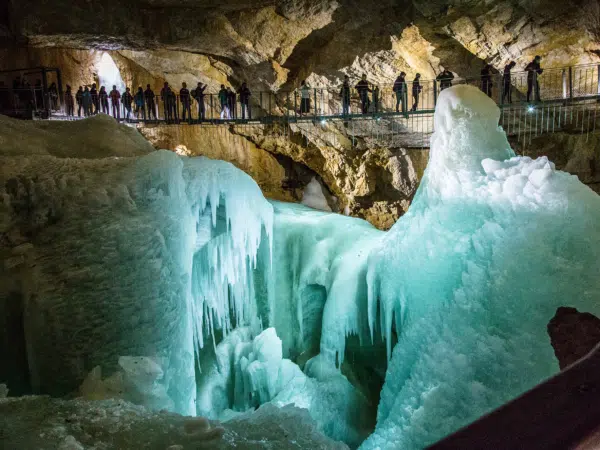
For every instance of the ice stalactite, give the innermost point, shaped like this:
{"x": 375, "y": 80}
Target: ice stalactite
{"x": 471, "y": 275}
{"x": 233, "y": 219}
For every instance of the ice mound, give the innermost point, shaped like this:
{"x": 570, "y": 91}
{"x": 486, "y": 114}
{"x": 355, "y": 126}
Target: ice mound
{"x": 471, "y": 275}
{"x": 98, "y": 136}
{"x": 106, "y": 260}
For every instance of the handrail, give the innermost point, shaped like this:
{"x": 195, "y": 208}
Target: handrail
{"x": 575, "y": 83}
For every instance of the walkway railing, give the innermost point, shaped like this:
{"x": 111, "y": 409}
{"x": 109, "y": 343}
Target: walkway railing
{"x": 568, "y": 98}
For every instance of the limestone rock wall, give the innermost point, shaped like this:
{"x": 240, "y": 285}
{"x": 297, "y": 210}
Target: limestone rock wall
{"x": 275, "y": 44}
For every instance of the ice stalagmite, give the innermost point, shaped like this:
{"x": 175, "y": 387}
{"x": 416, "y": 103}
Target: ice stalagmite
{"x": 471, "y": 275}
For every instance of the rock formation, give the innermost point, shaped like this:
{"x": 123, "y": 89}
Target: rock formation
{"x": 573, "y": 334}
{"x": 274, "y": 45}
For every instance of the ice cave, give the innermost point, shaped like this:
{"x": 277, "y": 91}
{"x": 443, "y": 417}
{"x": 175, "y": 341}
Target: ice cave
{"x": 172, "y": 283}
{"x": 299, "y": 225}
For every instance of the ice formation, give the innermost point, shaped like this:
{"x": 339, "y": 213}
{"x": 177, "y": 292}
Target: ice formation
{"x": 471, "y": 275}
{"x": 313, "y": 196}
{"x": 108, "y": 252}
{"x": 134, "y": 265}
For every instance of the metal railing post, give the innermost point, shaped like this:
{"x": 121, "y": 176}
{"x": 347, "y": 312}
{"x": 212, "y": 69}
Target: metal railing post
{"x": 434, "y": 93}
{"x": 564, "y": 84}
{"x": 315, "y": 103}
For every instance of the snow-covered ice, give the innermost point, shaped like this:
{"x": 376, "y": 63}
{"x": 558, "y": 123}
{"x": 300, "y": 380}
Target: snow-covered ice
{"x": 471, "y": 275}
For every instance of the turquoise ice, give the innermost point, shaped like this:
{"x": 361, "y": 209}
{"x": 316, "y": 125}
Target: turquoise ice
{"x": 190, "y": 291}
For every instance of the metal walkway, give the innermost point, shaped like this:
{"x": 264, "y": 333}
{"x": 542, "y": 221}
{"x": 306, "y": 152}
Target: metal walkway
{"x": 569, "y": 102}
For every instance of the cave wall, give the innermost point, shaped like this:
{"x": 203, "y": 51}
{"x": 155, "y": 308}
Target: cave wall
{"x": 275, "y": 44}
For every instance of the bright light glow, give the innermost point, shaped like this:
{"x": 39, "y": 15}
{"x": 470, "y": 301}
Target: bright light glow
{"x": 108, "y": 74}
{"x": 530, "y": 109}
{"x": 323, "y": 121}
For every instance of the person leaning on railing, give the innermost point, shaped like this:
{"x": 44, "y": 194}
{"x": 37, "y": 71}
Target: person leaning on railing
{"x": 445, "y": 78}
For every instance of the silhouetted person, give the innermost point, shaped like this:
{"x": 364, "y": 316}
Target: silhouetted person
{"x": 345, "y": 96}
{"x": 506, "y": 82}
{"x": 140, "y": 103}
{"x": 149, "y": 96}
{"x": 304, "y": 97}
{"x": 376, "y": 98}
{"x": 416, "y": 91}
{"x": 362, "y": 87}
{"x": 231, "y": 99}
{"x": 445, "y": 78}
{"x": 198, "y": 94}
{"x": 401, "y": 93}
{"x": 165, "y": 96}
{"x": 103, "y": 97}
{"x": 533, "y": 70}
{"x": 245, "y": 100}
{"x": 184, "y": 98}
{"x": 224, "y": 101}
{"x": 486, "y": 80}
{"x": 95, "y": 99}
{"x": 115, "y": 96}
{"x": 127, "y": 99}
{"x": 79, "y": 100}
{"x": 53, "y": 92}
{"x": 69, "y": 102}
{"x": 86, "y": 99}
